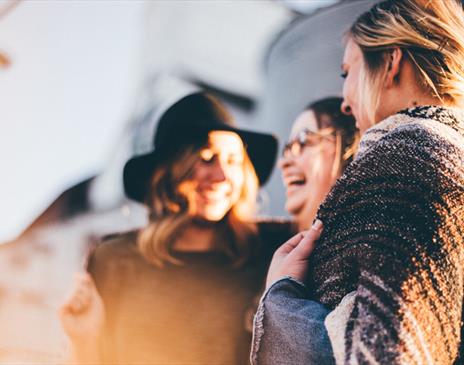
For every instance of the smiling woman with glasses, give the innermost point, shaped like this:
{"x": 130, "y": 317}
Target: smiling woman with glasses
{"x": 322, "y": 143}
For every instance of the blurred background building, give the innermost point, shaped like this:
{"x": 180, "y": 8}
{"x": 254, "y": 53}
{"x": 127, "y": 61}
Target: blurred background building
{"x": 82, "y": 84}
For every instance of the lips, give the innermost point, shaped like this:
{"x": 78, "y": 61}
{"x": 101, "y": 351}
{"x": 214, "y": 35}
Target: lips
{"x": 213, "y": 195}
{"x": 294, "y": 183}
{"x": 295, "y": 180}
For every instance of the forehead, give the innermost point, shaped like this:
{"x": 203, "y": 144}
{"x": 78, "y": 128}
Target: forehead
{"x": 306, "y": 120}
{"x": 225, "y": 141}
{"x": 352, "y": 53}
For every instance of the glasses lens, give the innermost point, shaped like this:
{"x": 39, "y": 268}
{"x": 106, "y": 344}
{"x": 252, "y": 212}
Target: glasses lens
{"x": 292, "y": 148}
{"x": 313, "y": 139}
{"x": 305, "y": 138}
{"x": 295, "y": 148}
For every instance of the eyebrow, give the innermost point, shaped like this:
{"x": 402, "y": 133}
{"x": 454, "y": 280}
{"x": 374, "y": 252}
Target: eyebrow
{"x": 216, "y": 151}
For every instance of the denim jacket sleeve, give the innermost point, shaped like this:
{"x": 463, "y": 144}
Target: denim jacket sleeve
{"x": 289, "y": 329}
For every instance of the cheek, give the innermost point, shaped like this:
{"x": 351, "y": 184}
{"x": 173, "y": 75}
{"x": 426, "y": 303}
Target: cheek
{"x": 349, "y": 90}
{"x": 308, "y": 162}
{"x": 317, "y": 164}
{"x": 199, "y": 172}
{"x": 188, "y": 190}
{"x": 237, "y": 178}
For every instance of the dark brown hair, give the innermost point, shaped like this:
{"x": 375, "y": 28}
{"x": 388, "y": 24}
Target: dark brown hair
{"x": 329, "y": 115}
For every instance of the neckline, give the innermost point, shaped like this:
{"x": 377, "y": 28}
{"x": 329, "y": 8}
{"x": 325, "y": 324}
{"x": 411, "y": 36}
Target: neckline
{"x": 450, "y": 116}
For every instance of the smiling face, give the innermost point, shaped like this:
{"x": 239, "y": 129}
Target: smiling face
{"x": 218, "y": 177}
{"x": 352, "y": 68}
{"x": 308, "y": 175}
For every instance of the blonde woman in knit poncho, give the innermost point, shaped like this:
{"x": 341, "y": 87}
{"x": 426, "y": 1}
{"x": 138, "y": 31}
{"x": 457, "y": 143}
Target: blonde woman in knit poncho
{"x": 384, "y": 281}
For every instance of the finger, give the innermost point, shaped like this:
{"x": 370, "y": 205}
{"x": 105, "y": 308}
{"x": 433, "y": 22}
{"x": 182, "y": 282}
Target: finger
{"x": 79, "y": 296}
{"x": 85, "y": 285}
{"x": 308, "y": 243}
{"x": 81, "y": 293}
{"x": 70, "y": 308}
{"x": 315, "y": 230}
{"x": 288, "y": 246}
{"x": 77, "y": 306}
{"x": 83, "y": 278}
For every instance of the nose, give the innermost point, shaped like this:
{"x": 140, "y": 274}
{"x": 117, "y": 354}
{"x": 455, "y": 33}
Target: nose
{"x": 284, "y": 161}
{"x": 345, "y": 108}
{"x": 217, "y": 172}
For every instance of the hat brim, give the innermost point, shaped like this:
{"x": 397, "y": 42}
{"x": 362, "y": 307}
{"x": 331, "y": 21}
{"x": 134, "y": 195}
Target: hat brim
{"x": 261, "y": 148}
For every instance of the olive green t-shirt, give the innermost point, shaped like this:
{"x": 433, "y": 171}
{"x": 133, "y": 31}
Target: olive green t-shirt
{"x": 197, "y": 313}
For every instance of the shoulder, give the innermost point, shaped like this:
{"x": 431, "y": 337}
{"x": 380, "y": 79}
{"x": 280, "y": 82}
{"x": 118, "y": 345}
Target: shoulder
{"x": 424, "y": 127}
{"x": 113, "y": 250}
{"x": 120, "y": 240}
{"x": 404, "y": 140}
{"x": 115, "y": 262}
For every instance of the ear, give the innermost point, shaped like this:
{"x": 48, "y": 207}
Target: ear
{"x": 395, "y": 57}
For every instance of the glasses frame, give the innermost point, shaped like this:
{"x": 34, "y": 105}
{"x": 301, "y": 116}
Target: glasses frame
{"x": 295, "y": 147}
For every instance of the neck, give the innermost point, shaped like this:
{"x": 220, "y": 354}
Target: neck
{"x": 196, "y": 238}
{"x": 421, "y": 101}
{"x": 405, "y": 93}
{"x": 406, "y": 101}
{"x": 305, "y": 218}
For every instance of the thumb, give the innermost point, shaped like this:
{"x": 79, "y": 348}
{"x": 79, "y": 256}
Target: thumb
{"x": 307, "y": 244}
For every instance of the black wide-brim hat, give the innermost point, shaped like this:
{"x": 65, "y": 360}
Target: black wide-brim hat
{"x": 187, "y": 123}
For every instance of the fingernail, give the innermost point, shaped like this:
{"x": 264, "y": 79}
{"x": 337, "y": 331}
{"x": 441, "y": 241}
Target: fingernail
{"x": 317, "y": 225}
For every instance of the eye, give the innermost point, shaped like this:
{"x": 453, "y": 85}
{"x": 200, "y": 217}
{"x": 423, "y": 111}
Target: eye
{"x": 292, "y": 149}
{"x": 235, "y": 160}
{"x": 207, "y": 155}
{"x": 313, "y": 140}
{"x": 344, "y": 74}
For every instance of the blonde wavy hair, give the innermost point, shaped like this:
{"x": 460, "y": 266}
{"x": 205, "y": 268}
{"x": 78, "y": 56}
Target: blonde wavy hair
{"x": 169, "y": 213}
{"x": 431, "y": 35}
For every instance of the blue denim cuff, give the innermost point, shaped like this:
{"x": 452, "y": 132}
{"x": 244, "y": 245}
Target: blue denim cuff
{"x": 289, "y": 328}
{"x": 287, "y": 282}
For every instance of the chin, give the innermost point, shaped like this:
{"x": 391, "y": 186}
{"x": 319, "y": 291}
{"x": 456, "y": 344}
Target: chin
{"x": 293, "y": 209}
{"x": 213, "y": 215}
{"x": 213, "y": 218}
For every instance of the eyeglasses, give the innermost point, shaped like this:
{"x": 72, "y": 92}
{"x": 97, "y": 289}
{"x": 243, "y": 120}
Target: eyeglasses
{"x": 295, "y": 147}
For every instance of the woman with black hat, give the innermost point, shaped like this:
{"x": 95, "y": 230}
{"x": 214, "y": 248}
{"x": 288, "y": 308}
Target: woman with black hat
{"x": 178, "y": 290}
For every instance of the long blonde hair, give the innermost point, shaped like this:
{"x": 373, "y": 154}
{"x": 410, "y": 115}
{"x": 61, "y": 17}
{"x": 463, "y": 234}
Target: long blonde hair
{"x": 169, "y": 213}
{"x": 430, "y": 34}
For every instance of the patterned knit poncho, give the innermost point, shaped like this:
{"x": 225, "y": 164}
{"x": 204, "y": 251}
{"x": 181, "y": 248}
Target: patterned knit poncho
{"x": 394, "y": 234}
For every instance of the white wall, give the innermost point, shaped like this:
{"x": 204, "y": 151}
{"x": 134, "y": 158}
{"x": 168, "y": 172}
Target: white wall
{"x": 222, "y": 43}
{"x": 65, "y": 98}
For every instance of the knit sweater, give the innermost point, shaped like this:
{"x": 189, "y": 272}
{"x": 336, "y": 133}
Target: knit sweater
{"x": 394, "y": 235}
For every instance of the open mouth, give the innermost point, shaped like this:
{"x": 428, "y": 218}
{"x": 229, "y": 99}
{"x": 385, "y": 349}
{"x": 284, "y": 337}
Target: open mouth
{"x": 295, "y": 181}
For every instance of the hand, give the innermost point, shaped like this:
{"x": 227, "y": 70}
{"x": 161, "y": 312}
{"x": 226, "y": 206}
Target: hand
{"x": 82, "y": 315}
{"x": 292, "y": 258}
